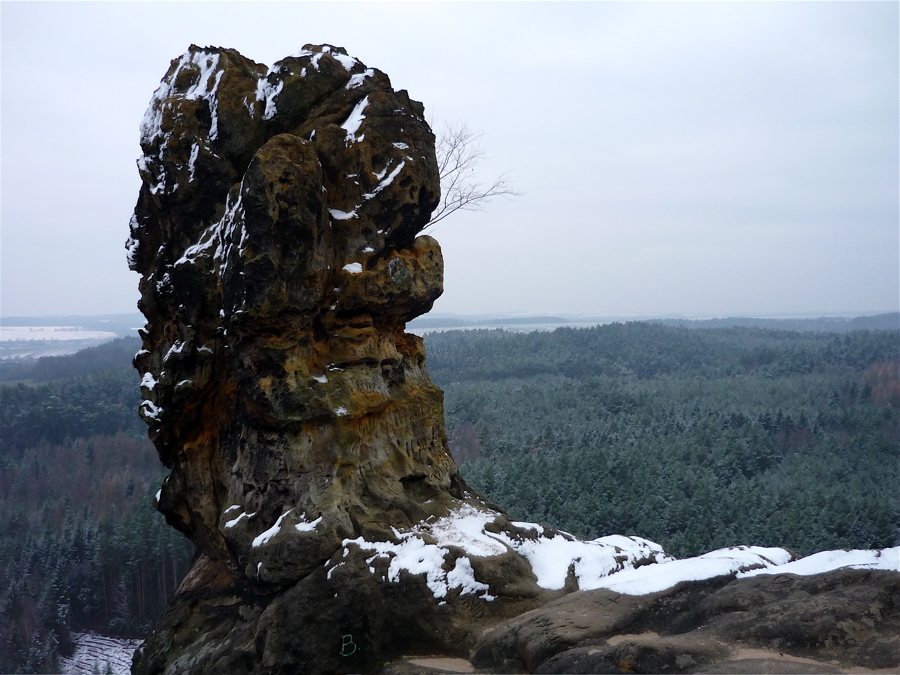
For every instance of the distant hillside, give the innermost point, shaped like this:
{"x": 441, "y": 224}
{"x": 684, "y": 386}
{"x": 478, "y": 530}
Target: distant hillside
{"x": 120, "y": 324}
{"x": 465, "y": 322}
{"x": 115, "y": 355}
{"x": 825, "y": 324}
{"x": 645, "y": 350}
{"x": 696, "y": 439}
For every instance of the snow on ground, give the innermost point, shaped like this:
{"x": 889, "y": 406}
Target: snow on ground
{"x": 33, "y": 342}
{"x": 100, "y": 654}
{"x": 653, "y": 578}
{"x": 629, "y": 565}
{"x": 826, "y": 561}
{"x": 28, "y": 350}
{"x": 550, "y": 557}
{"x": 25, "y": 351}
{"x": 591, "y": 561}
{"x": 8, "y": 333}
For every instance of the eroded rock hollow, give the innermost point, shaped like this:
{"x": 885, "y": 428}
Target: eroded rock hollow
{"x": 277, "y": 235}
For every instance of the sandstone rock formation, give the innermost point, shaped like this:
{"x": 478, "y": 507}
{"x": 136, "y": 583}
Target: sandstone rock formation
{"x": 276, "y": 238}
{"x": 277, "y": 235}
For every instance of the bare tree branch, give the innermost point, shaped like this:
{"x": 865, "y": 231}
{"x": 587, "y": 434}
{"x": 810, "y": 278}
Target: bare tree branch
{"x": 458, "y": 152}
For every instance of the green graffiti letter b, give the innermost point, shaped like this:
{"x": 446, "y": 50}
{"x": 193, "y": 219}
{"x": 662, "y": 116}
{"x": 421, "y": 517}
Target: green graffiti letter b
{"x": 348, "y": 646}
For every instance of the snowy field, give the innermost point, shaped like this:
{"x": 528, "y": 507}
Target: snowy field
{"x": 8, "y": 333}
{"x": 100, "y": 654}
{"x": 33, "y": 342}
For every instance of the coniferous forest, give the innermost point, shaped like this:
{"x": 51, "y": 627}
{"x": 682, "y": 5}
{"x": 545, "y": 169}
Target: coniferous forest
{"x": 81, "y": 546}
{"x": 696, "y": 438}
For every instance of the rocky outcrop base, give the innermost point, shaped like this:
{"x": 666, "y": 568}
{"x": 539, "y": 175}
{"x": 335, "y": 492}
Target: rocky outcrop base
{"x": 834, "y": 622}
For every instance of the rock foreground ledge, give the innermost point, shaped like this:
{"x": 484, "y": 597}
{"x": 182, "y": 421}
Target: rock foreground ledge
{"x": 277, "y": 234}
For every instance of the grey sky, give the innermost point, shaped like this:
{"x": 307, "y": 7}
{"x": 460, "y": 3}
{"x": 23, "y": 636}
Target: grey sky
{"x": 673, "y": 158}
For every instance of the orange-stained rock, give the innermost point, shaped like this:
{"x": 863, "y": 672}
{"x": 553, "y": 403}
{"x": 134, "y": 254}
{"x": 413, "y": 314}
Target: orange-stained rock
{"x": 276, "y": 238}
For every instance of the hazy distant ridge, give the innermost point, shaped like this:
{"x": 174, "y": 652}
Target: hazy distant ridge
{"x": 824, "y": 324}
{"x": 464, "y": 322}
{"x": 120, "y": 324}
{"x": 828, "y": 324}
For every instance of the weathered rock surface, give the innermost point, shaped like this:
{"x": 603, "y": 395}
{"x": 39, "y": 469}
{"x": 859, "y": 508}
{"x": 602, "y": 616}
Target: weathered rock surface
{"x": 277, "y": 235}
{"x": 782, "y": 623}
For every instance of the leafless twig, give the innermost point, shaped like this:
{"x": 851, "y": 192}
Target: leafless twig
{"x": 458, "y": 152}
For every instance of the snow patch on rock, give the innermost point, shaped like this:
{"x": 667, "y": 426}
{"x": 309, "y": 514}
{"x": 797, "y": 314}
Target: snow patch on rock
{"x": 386, "y": 181}
{"x": 204, "y": 87}
{"x": 465, "y": 529}
{"x": 665, "y": 575}
{"x": 267, "y": 92}
{"x": 337, "y": 214}
{"x": 629, "y": 565}
{"x": 827, "y": 561}
{"x": 354, "y": 121}
{"x": 307, "y": 525}
{"x": 357, "y": 79}
{"x": 271, "y": 532}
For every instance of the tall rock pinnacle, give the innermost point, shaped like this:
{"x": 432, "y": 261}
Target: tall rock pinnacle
{"x": 276, "y": 238}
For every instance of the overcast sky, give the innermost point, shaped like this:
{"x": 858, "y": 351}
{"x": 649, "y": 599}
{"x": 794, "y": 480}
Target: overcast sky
{"x": 706, "y": 159}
